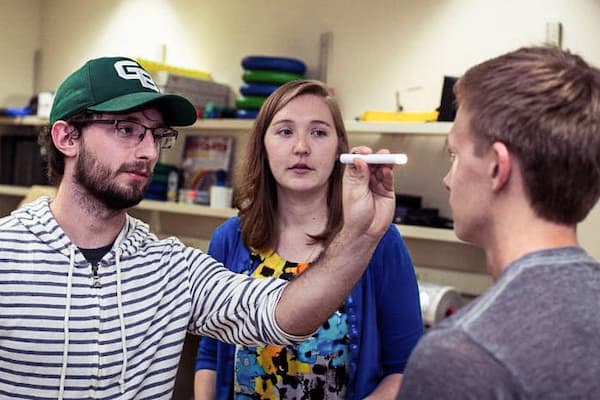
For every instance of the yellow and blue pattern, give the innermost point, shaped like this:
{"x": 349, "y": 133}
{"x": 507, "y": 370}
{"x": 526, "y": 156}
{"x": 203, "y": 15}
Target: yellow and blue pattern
{"x": 314, "y": 369}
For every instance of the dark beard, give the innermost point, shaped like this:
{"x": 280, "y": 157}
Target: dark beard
{"x": 97, "y": 179}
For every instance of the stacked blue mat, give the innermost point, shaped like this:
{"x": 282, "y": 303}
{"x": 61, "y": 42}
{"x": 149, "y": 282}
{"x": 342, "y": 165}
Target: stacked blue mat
{"x": 262, "y": 75}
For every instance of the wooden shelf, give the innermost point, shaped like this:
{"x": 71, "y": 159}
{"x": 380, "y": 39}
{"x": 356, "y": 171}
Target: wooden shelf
{"x": 399, "y": 128}
{"x": 221, "y": 124}
{"x": 352, "y": 126}
{"x": 10, "y": 198}
{"x": 407, "y": 231}
{"x": 427, "y": 233}
{"x": 186, "y": 209}
{"x": 198, "y": 210}
{"x": 28, "y": 120}
{"x": 15, "y": 191}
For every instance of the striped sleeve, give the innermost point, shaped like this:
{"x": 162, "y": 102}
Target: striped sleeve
{"x": 232, "y": 307}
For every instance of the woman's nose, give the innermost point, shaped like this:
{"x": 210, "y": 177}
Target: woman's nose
{"x": 301, "y": 146}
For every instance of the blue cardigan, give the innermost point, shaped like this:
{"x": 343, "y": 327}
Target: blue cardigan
{"x": 384, "y": 314}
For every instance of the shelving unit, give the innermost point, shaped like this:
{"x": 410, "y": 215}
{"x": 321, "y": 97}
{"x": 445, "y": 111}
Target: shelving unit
{"x": 438, "y": 255}
{"x": 28, "y": 120}
{"x": 10, "y": 197}
{"x": 352, "y": 126}
{"x": 399, "y": 128}
{"x": 13, "y": 191}
{"x": 190, "y": 211}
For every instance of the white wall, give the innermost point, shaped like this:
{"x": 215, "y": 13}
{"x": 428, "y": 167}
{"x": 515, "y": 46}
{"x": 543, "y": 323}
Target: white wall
{"x": 588, "y": 232}
{"x": 379, "y": 47}
{"x": 19, "y": 39}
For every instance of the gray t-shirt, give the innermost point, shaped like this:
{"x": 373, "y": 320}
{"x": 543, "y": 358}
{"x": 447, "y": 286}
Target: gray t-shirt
{"x": 535, "y": 334}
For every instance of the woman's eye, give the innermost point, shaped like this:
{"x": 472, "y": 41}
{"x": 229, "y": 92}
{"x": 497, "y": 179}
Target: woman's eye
{"x": 285, "y": 132}
{"x": 319, "y": 132}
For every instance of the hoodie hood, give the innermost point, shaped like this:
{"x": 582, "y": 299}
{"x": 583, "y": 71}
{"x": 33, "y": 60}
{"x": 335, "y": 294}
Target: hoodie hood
{"x": 40, "y": 221}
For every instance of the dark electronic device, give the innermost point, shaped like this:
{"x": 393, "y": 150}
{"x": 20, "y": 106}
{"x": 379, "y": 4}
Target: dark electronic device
{"x": 447, "y": 107}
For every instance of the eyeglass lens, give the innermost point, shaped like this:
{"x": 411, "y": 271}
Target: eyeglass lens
{"x": 135, "y": 132}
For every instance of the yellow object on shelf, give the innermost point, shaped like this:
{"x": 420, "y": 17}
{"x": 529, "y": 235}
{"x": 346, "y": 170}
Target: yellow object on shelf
{"x": 155, "y": 66}
{"x": 398, "y": 116}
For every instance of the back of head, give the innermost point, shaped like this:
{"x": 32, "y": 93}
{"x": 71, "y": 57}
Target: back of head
{"x": 543, "y": 103}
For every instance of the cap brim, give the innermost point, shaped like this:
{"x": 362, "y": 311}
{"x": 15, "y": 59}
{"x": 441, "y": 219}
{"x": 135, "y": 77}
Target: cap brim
{"x": 176, "y": 110}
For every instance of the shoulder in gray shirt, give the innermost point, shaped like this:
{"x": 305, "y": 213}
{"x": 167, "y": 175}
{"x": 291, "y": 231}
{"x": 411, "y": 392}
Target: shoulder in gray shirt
{"x": 535, "y": 334}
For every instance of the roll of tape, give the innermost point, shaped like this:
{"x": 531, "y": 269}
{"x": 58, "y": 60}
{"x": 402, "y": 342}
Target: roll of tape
{"x": 438, "y": 302}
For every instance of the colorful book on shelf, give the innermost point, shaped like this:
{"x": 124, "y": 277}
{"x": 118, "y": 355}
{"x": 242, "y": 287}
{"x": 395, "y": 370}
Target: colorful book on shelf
{"x": 206, "y": 159}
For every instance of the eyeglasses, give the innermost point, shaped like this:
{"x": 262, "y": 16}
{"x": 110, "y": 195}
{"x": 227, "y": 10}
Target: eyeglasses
{"x": 132, "y": 133}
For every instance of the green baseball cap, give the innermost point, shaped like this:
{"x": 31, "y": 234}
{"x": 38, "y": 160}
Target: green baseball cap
{"x": 114, "y": 85}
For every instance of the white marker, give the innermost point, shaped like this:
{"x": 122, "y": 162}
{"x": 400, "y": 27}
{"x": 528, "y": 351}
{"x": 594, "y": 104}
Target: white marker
{"x": 375, "y": 158}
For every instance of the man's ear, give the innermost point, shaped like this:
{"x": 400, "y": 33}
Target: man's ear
{"x": 501, "y": 168}
{"x": 62, "y": 136}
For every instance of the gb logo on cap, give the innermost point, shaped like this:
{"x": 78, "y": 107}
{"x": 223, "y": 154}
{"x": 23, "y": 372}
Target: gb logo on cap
{"x": 128, "y": 69}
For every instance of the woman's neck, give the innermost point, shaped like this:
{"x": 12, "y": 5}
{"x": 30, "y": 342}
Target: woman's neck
{"x": 298, "y": 217}
{"x": 305, "y": 211}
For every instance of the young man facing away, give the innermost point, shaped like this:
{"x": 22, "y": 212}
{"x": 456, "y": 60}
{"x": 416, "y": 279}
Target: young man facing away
{"x": 525, "y": 150}
{"x": 93, "y": 305}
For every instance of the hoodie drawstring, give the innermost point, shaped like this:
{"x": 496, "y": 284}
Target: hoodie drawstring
{"x": 63, "y": 372}
{"x": 122, "y": 322}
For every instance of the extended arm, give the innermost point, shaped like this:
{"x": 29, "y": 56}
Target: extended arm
{"x": 368, "y": 200}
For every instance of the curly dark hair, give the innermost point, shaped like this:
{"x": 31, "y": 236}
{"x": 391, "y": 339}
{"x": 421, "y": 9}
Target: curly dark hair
{"x": 54, "y": 158}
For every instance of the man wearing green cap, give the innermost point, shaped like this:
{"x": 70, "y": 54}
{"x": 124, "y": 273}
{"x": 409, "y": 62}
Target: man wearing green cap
{"x": 93, "y": 305}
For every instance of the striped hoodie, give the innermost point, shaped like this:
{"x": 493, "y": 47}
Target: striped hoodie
{"x": 63, "y": 337}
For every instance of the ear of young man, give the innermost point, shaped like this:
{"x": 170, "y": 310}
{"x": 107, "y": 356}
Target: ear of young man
{"x": 501, "y": 167}
{"x": 62, "y": 136}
